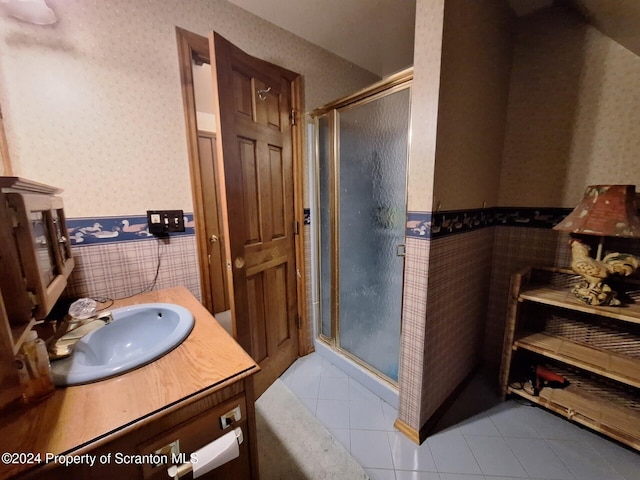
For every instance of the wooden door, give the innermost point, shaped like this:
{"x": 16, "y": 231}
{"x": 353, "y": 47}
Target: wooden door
{"x": 254, "y": 142}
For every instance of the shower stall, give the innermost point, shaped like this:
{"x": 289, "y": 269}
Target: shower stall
{"x": 361, "y": 153}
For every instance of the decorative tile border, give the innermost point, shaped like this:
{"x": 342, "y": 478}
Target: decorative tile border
{"x": 90, "y": 231}
{"x": 307, "y": 216}
{"x": 431, "y": 225}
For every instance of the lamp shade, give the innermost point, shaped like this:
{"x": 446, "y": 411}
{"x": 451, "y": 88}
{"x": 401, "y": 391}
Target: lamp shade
{"x": 605, "y": 210}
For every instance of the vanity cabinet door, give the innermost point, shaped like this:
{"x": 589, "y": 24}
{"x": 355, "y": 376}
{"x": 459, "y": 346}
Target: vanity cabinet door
{"x": 194, "y": 426}
{"x": 195, "y": 434}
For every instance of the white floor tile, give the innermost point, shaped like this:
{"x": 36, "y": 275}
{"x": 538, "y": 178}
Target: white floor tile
{"x": 406, "y": 475}
{"x": 538, "y": 459}
{"x": 583, "y": 461}
{"x": 371, "y": 449}
{"x": 367, "y": 415}
{"x": 330, "y": 370}
{"x": 462, "y": 476}
{"x": 451, "y": 453}
{"x": 379, "y": 474}
{"x": 409, "y": 456}
{"x": 491, "y": 477}
{"x": 343, "y": 435}
{"x": 359, "y": 392}
{"x": 549, "y": 425}
{"x": 311, "y": 365}
{"x": 305, "y": 386}
{"x": 508, "y": 440}
{"x": 332, "y": 388}
{"x": 624, "y": 460}
{"x": 495, "y": 457}
{"x": 333, "y": 413}
{"x": 478, "y": 425}
{"x": 511, "y": 422}
{"x": 390, "y": 416}
{"x": 310, "y": 403}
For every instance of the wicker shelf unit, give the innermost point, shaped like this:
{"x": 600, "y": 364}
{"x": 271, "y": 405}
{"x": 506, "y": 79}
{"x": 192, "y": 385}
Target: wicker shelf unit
{"x": 597, "y": 349}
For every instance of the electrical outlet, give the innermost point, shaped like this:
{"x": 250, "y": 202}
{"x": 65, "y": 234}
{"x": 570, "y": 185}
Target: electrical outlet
{"x": 231, "y": 416}
{"x": 163, "y": 222}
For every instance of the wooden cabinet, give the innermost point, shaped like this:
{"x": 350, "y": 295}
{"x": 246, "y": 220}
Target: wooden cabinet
{"x": 178, "y": 397}
{"x": 597, "y": 349}
{"x": 35, "y": 262}
{"x": 144, "y": 453}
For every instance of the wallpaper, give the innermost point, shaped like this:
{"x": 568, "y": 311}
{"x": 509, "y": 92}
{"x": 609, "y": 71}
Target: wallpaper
{"x": 459, "y": 99}
{"x": 474, "y": 84}
{"x": 424, "y": 103}
{"x": 574, "y": 113}
{"x": 120, "y": 269}
{"x": 93, "y": 104}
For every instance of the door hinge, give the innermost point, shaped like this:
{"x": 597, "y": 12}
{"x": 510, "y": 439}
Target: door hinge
{"x": 296, "y": 228}
{"x": 292, "y": 117}
{"x": 299, "y": 321}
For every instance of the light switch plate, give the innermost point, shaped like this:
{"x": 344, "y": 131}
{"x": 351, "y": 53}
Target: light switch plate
{"x": 163, "y": 222}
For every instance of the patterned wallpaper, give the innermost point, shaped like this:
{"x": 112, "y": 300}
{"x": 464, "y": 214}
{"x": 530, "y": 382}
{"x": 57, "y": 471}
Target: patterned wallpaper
{"x": 424, "y": 103}
{"x": 474, "y": 85}
{"x": 93, "y": 103}
{"x": 120, "y": 269}
{"x": 573, "y": 115}
{"x": 461, "y": 76}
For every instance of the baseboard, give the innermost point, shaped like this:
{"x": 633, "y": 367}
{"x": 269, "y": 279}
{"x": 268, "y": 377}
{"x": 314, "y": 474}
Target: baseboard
{"x": 409, "y": 432}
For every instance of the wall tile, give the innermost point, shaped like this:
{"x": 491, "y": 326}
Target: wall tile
{"x": 122, "y": 269}
{"x": 412, "y": 348}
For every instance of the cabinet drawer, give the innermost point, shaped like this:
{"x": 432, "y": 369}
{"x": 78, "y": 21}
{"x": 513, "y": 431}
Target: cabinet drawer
{"x": 195, "y": 434}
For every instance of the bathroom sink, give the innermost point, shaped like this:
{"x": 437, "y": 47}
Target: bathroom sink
{"x": 137, "y": 335}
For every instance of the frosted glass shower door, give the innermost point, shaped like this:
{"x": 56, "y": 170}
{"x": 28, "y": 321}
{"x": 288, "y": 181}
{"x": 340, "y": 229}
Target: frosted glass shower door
{"x": 373, "y": 143}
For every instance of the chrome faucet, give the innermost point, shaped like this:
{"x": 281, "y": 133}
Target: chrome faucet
{"x": 72, "y": 329}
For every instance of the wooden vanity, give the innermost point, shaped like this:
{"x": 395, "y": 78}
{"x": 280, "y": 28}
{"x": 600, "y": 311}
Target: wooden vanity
{"x": 121, "y": 421}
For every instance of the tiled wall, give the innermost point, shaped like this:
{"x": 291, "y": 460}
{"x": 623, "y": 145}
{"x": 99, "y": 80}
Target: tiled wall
{"x": 458, "y": 112}
{"x": 457, "y": 296}
{"x": 116, "y": 266}
{"x": 414, "y": 312}
{"x": 121, "y": 269}
{"x": 446, "y": 292}
{"x": 514, "y": 249}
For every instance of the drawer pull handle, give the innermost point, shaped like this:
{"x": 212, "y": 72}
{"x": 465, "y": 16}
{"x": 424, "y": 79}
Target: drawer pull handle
{"x": 211, "y": 456}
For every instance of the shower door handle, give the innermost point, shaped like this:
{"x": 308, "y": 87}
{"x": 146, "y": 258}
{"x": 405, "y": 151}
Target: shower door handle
{"x": 401, "y": 250}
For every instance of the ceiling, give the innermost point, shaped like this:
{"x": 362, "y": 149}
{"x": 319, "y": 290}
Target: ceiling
{"x": 377, "y": 35}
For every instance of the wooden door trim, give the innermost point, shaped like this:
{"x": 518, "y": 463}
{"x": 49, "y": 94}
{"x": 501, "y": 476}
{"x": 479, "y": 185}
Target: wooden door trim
{"x": 297, "y": 140}
{"x": 189, "y": 44}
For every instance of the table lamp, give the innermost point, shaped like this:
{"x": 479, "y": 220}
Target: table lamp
{"x": 605, "y": 211}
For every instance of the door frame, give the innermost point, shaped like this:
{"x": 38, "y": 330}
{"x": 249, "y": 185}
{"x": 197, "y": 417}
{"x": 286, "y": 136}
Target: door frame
{"x": 190, "y": 45}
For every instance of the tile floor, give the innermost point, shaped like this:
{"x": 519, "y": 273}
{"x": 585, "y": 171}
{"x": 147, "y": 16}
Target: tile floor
{"x": 479, "y": 438}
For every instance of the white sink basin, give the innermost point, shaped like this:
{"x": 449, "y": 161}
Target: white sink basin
{"x": 137, "y": 335}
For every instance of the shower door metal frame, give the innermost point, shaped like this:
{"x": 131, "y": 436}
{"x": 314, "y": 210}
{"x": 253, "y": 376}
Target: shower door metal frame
{"x": 394, "y": 83}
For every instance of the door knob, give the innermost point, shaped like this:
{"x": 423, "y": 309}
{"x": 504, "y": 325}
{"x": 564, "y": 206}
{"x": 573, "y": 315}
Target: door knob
{"x": 239, "y": 262}
{"x": 213, "y": 238}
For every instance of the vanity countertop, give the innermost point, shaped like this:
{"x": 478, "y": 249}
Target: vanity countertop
{"x": 77, "y": 419}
